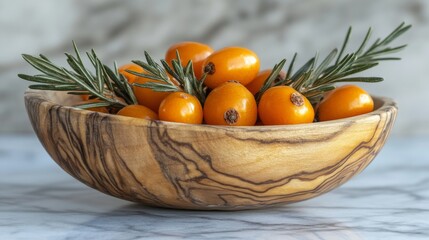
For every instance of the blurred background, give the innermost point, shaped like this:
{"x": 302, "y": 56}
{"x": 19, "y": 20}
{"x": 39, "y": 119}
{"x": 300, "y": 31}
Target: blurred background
{"x": 122, "y": 30}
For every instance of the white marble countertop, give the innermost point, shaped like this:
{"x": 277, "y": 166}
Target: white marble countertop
{"x": 389, "y": 200}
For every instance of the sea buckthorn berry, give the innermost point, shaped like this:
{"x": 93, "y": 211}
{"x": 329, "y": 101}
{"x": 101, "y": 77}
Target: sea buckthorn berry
{"x": 259, "y": 80}
{"x": 284, "y": 105}
{"x": 194, "y": 51}
{"x": 148, "y": 97}
{"x": 99, "y": 109}
{"x": 85, "y": 97}
{"x": 181, "y": 107}
{"x": 138, "y": 111}
{"x": 231, "y": 63}
{"x": 131, "y": 67}
{"x": 344, "y": 101}
{"x": 230, "y": 104}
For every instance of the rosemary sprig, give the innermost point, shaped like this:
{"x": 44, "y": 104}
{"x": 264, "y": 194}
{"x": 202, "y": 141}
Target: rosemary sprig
{"x": 184, "y": 75}
{"x": 110, "y": 87}
{"x": 271, "y": 78}
{"x": 314, "y": 80}
{"x": 113, "y": 90}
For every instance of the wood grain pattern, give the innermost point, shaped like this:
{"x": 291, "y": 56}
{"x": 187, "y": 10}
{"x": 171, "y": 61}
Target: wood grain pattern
{"x": 206, "y": 167}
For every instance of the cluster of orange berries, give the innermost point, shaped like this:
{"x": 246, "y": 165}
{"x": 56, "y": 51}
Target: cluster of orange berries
{"x": 233, "y": 78}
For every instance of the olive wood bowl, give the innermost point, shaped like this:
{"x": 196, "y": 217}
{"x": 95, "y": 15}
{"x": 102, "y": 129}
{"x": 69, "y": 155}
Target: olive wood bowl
{"x": 206, "y": 167}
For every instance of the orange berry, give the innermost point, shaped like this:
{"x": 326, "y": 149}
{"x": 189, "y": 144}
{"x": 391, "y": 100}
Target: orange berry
{"x": 85, "y": 97}
{"x": 132, "y": 67}
{"x": 344, "y": 101}
{"x": 230, "y": 104}
{"x": 194, "y": 51}
{"x": 260, "y": 79}
{"x": 138, "y": 111}
{"x": 284, "y": 105}
{"x": 148, "y": 97}
{"x": 181, "y": 107}
{"x": 231, "y": 63}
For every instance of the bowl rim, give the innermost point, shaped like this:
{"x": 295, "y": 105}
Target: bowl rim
{"x": 383, "y": 105}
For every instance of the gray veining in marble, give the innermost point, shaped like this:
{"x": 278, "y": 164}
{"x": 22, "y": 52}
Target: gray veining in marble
{"x": 389, "y": 200}
{"x": 274, "y": 29}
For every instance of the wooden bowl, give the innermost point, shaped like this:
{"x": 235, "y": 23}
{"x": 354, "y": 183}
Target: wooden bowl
{"x": 206, "y": 167}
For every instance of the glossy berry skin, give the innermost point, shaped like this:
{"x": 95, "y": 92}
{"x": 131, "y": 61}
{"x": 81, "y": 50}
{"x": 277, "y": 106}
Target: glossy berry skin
{"x": 181, "y": 107}
{"x": 194, "y": 51}
{"x": 148, "y": 97}
{"x": 132, "y": 67}
{"x": 260, "y": 79}
{"x": 85, "y": 97}
{"x": 231, "y": 63}
{"x": 138, "y": 111}
{"x": 283, "y": 105}
{"x": 344, "y": 101}
{"x": 145, "y": 96}
{"x": 230, "y": 104}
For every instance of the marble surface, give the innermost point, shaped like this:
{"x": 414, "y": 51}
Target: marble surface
{"x": 389, "y": 200}
{"x": 274, "y": 29}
